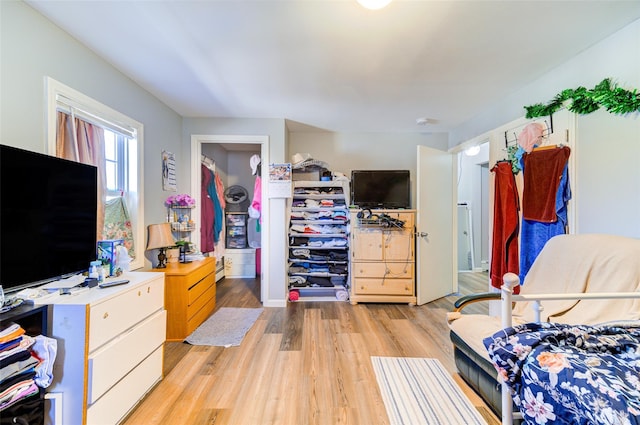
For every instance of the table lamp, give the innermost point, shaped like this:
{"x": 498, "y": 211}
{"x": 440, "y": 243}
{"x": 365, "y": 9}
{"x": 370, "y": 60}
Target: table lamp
{"x": 160, "y": 237}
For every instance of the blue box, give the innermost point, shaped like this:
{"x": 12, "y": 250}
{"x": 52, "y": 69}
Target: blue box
{"x": 106, "y": 252}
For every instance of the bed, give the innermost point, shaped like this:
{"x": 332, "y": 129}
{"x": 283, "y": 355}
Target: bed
{"x": 579, "y": 306}
{"x": 565, "y": 373}
{"x": 571, "y": 374}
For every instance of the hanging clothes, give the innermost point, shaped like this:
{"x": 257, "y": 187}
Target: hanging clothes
{"x": 535, "y": 234}
{"x": 543, "y": 170}
{"x": 255, "y": 209}
{"x": 207, "y": 212}
{"x": 504, "y": 256}
{"x": 217, "y": 206}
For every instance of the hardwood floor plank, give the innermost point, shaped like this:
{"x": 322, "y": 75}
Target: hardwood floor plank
{"x": 292, "y": 327}
{"x": 306, "y": 364}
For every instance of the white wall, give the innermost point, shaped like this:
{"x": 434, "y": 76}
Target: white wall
{"x": 345, "y": 152}
{"x": 607, "y": 193}
{"x": 617, "y": 56}
{"x": 606, "y": 188}
{"x": 32, "y": 48}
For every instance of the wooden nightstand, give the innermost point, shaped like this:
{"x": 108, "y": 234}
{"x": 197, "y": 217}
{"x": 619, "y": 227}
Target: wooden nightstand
{"x": 189, "y": 297}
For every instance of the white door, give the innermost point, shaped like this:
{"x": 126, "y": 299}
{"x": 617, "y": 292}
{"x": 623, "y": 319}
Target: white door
{"x": 435, "y": 261}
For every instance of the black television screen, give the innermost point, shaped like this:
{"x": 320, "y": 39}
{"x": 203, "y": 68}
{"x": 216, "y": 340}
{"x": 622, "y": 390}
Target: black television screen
{"x": 381, "y": 188}
{"x": 47, "y": 218}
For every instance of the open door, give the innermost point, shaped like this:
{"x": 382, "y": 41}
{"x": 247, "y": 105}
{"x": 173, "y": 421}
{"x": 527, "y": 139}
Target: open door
{"x": 436, "y": 258}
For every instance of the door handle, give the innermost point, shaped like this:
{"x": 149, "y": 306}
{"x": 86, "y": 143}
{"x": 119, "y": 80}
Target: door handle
{"x": 422, "y": 234}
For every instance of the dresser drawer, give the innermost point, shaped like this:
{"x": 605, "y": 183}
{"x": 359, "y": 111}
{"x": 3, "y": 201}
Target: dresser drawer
{"x": 201, "y": 315}
{"x": 119, "y": 356}
{"x": 380, "y": 286}
{"x": 120, "y": 399}
{"x": 195, "y": 305}
{"x": 389, "y": 270}
{"x": 198, "y": 274}
{"x": 201, "y": 287}
{"x": 115, "y": 315}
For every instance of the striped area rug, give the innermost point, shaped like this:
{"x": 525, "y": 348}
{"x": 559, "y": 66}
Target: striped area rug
{"x": 421, "y": 391}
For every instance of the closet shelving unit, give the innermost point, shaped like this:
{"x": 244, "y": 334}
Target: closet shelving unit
{"x": 336, "y": 256}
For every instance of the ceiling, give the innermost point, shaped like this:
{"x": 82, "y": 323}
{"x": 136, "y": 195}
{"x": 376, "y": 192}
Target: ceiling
{"x": 332, "y": 65}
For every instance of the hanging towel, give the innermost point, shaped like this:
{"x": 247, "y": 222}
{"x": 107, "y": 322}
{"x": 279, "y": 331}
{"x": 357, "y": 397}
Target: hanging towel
{"x": 534, "y": 234}
{"x": 542, "y": 175}
{"x": 504, "y": 256}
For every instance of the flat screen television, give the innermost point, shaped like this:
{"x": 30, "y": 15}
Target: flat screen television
{"x": 388, "y": 189}
{"x": 47, "y": 218}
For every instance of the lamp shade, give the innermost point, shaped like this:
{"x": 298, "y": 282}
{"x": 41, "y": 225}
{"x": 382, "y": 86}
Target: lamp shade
{"x": 160, "y": 236}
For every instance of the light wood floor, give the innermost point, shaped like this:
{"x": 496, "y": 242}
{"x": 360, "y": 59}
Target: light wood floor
{"x": 307, "y": 363}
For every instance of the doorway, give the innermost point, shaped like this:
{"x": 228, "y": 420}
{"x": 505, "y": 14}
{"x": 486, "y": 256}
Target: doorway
{"x": 241, "y": 145}
{"x": 473, "y": 210}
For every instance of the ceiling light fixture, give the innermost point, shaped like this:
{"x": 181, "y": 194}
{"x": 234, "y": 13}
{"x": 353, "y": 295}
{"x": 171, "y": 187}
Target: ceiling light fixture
{"x": 472, "y": 150}
{"x": 424, "y": 121}
{"x": 374, "y": 4}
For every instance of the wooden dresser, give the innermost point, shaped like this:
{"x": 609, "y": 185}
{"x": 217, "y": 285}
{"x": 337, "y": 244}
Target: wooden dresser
{"x": 190, "y": 296}
{"x": 383, "y": 257}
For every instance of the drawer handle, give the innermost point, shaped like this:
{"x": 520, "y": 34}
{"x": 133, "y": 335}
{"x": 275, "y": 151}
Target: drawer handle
{"x": 139, "y": 293}
{"x": 105, "y": 315}
{"x": 148, "y": 289}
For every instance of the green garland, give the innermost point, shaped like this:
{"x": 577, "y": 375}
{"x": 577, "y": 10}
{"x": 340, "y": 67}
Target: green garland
{"x": 606, "y": 94}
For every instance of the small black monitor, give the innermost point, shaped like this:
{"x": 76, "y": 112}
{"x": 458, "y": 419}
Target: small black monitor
{"x": 387, "y": 189}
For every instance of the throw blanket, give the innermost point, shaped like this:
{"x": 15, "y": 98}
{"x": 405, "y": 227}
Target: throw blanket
{"x": 571, "y": 374}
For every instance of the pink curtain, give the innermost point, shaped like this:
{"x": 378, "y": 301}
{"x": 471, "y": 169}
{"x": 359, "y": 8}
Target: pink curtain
{"x": 86, "y": 147}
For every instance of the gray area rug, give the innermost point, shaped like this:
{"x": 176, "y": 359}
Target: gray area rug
{"x": 421, "y": 391}
{"x": 226, "y": 328}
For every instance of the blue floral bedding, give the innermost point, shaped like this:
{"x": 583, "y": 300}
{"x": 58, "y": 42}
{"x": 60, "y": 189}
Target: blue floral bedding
{"x": 568, "y": 374}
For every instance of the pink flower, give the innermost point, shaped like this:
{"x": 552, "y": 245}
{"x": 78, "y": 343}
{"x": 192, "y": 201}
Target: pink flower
{"x": 182, "y": 200}
{"x": 553, "y": 362}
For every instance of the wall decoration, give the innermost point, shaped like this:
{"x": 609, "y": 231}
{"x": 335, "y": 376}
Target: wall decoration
{"x": 168, "y": 171}
{"x": 280, "y": 180}
{"x": 606, "y": 94}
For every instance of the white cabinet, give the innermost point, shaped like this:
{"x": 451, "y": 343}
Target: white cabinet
{"x": 110, "y": 348}
{"x": 319, "y": 241}
{"x": 240, "y": 263}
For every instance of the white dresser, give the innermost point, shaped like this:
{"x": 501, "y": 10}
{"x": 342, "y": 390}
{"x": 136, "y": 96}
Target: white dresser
{"x": 110, "y": 348}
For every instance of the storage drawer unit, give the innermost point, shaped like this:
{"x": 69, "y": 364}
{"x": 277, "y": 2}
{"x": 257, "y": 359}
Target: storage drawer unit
{"x": 240, "y": 263}
{"x": 236, "y": 230}
{"x": 190, "y": 293}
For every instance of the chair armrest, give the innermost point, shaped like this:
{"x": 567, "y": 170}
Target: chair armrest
{"x": 466, "y": 300}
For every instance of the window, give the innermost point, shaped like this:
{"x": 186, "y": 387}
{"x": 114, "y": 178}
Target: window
{"x": 123, "y": 141}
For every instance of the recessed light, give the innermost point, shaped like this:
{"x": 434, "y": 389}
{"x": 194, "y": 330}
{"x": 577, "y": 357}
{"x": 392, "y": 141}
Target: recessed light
{"x": 373, "y": 4}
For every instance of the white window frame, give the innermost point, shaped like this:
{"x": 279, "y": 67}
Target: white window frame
{"x": 96, "y": 112}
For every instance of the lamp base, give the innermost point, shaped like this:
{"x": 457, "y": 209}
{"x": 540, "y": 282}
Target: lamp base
{"x": 183, "y": 254}
{"x": 162, "y": 259}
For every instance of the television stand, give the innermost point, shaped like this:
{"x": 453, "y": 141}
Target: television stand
{"x": 383, "y": 256}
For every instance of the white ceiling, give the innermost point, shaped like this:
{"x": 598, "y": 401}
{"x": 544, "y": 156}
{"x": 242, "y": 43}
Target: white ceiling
{"x": 332, "y": 65}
